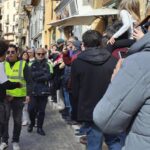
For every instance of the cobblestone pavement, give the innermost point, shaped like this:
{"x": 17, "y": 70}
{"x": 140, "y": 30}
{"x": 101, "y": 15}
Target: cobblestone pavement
{"x": 59, "y": 136}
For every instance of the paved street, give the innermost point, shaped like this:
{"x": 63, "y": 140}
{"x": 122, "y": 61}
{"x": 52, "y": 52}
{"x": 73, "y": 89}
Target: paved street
{"x": 59, "y": 136}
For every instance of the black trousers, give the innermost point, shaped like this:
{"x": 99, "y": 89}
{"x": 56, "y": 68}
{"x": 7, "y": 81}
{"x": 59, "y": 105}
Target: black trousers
{"x": 74, "y": 105}
{"x": 120, "y": 44}
{"x": 16, "y": 106}
{"x": 36, "y": 108}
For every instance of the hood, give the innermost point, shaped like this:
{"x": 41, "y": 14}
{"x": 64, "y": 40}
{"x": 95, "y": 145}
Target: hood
{"x": 94, "y": 55}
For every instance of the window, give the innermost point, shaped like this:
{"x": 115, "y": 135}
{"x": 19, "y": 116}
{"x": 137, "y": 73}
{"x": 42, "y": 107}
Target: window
{"x": 88, "y": 2}
{"x": 7, "y": 29}
{"x": 7, "y": 5}
{"x": 14, "y": 3}
{"x": 13, "y": 17}
{"x": 13, "y": 28}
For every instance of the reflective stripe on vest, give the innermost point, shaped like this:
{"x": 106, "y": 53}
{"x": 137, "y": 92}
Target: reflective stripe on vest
{"x": 15, "y": 74}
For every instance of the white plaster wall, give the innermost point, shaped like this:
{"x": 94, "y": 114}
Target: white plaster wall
{"x": 36, "y": 24}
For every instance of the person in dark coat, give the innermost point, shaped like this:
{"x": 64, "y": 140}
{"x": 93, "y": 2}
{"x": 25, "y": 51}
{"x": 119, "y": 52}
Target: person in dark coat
{"x": 40, "y": 75}
{"x": 91, "y": 73}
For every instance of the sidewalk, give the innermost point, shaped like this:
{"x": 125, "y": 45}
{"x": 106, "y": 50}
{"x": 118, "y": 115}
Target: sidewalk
{"x": 59, "y": 136}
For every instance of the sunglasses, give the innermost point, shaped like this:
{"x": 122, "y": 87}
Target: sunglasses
{"x": 42, "y": 54}
{"x": 11, "y": 52}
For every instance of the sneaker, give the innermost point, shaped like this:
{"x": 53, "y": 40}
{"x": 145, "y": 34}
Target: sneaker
{"x": 3, "y": 146}
{"x": 83, "y": 140}
{"x": 16, "y": 146}
{"x": 24, "y": 123}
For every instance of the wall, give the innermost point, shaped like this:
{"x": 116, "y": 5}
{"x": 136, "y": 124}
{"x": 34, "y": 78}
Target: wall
{"x": 36, "y": 25}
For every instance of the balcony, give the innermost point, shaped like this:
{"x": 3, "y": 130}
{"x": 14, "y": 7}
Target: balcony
{"x": 8, "y": 33}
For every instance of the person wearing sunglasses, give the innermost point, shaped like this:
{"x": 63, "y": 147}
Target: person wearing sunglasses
{"x": 4, "y": 84}
{"x": 40, "y": 90}
{"x": 16, "y": 71}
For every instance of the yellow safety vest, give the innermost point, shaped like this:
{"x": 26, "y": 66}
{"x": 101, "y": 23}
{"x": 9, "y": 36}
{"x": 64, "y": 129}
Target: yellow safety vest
{"x": 15, "y": 74}
{"x": 50, "y": 67}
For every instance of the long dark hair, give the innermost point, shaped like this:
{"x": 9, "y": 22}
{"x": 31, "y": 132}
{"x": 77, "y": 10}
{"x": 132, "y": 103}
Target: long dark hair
{"x": 21, "y": 56}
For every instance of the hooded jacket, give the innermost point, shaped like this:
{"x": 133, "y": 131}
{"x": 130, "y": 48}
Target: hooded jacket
{"x": 91, "y": 73}
{"x": 126, "y": 103}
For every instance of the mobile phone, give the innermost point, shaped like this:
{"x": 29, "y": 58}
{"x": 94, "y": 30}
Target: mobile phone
{"x": 119, "y": 54}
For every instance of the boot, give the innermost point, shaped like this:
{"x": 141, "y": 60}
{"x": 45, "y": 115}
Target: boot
{"x": 30, "y": 128}
{"x": 40, "y": 131}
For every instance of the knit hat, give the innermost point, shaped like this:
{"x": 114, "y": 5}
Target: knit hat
{"x": 60, "y": 41}
{"x": 77, "y": 44}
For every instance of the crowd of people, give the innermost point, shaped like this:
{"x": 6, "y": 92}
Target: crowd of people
{"x": 108, "y": 96}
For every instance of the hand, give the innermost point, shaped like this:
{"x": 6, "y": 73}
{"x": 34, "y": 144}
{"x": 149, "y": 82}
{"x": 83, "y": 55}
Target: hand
{"x": 138, "y": 34}
{"x": 27, "y": 99}
{"x": 111, "y": 40}
{"x": 19, "y": 85}
{"x": 117, "y": 68}
{"x": 8, "y": 98}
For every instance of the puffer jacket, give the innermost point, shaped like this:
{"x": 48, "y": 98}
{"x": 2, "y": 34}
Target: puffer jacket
{"x": 126, "y": 103}
{"x": 40, "y": 73}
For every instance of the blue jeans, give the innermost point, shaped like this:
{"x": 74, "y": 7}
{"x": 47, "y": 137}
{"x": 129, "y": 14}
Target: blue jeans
{"x": 113, "y": 142}
{"x": 67, "y": 99}
{"x": 95, "y": 139}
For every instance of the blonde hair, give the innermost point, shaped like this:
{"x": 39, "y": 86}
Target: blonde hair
{"x": 132, "y": 6}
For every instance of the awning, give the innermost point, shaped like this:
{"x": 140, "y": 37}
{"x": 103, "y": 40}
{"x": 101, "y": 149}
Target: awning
{"x": 85, "y": 19}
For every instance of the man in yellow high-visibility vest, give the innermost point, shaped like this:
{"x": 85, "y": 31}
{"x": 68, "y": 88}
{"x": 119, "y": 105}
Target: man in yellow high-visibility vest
{"x": 4, "y": 84}
{"x": 16, "y": 71}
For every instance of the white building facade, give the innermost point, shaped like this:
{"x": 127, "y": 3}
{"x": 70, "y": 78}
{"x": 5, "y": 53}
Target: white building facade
{"x": 10, "y": 20}
{"x": 36, "y": 25}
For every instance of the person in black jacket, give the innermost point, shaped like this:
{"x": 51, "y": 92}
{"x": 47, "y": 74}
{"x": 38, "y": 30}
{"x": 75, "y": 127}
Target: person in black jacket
{"x": 91, "y": 73}
{"x": 40, "y": 74}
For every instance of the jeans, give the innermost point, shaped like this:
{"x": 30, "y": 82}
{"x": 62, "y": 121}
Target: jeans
{"x": 36, "y": 108}
{"x": 16, "y": 105}
{"x": 67, "y": 100}
{"x": 95, "y": 139}
{"x": 113, "y": 142}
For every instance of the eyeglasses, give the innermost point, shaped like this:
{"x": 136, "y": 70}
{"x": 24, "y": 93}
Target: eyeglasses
{"x": 42, "y": 54}
{"x": 11, "y": 52}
